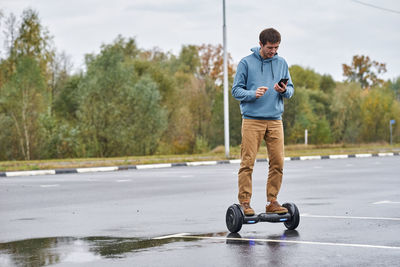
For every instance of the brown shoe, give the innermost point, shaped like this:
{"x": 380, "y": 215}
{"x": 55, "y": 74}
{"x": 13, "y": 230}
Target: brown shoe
{"x": 274, "y": 207}
{"x": 248, "y": 211}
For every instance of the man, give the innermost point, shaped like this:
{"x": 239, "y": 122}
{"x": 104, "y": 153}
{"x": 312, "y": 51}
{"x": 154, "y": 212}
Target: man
{"x": 261, "y": 104}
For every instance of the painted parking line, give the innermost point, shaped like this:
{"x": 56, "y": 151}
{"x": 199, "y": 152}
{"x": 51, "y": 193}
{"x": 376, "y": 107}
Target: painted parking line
{"x": 386, "y": 202}
{"x": 287, "y": 241}
{"x": 349, "y": 217}
{"x": 171, "y": 236}
{"x": 49, "y": 185}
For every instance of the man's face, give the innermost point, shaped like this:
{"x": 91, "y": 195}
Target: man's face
{"x": 269, "y": 49}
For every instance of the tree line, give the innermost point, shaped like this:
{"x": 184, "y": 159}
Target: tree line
{"x": 132, "y": 101}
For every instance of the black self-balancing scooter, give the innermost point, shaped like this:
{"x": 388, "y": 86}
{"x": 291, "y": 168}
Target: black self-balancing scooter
{"x": 235, "y": 217}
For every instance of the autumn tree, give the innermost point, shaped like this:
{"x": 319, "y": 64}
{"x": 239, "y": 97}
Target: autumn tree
{"x": 365, "y": 71}
{"x": 305, "y": 77}
{"x": 212, "y": 62}
{"x": 60, "y": 69}
{"x": 395, "y": 86}
{"x": 23, "y": 101}
{"x": 296, "y": 122}
{"x": 378, "y": 107}
{"x": 346, "y": 113}
{"x": 327, "y": 84}
{"x": 313, "y": 95}
{"x": 211, "y": 70}
{"x": 119, "y": 111}
{"x": 24, "y": 82}
{"x": 27, "y": 38}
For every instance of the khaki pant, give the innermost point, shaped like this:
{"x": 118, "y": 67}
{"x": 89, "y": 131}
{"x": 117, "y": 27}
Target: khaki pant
{"x": 253, "y": 131}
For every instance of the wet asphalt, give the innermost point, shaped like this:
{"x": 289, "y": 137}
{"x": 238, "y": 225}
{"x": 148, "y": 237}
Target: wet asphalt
{"x": 350, "y": 216}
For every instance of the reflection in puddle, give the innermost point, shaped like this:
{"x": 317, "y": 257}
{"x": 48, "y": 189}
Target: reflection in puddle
{"x": 246, "y": 253}
{"x": 47, "y": 251}
{"x": 236, "y": 238}
{"x": 79, "y": 252}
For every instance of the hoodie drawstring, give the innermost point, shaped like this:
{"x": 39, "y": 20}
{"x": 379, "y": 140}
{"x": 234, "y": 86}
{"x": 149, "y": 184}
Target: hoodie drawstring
{"x": 272, "y": 70}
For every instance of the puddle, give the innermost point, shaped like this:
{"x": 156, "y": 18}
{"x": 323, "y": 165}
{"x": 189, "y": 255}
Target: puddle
{"x": 47, "y": 251}
{"x": 88, "y": 250}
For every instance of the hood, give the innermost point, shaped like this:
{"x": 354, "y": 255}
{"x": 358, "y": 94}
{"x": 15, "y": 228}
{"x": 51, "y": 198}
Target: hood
{"x": 256, "y": 53}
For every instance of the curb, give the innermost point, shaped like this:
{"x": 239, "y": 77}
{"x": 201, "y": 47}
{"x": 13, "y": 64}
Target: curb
{"x": 181, "y": 164}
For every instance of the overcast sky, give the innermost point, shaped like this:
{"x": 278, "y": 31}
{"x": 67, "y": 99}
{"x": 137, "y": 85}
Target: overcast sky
{"x": 318, "y": 34}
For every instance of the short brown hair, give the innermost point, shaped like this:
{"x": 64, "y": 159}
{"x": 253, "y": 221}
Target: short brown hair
{"x": 270, "y": 35}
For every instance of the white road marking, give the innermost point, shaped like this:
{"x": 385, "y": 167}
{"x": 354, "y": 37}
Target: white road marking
{"x": 201, "y": 163}
{"x": 24, "y": 173}
{"x": 154, "y": 166}
{"x": 123, "y": 180}
{"x": 363, "y": 155}
{"x": 97, "y": 169}
{"x": 171, "y": 236}
{"x": 385, "y": 154}
{"x": 386, "y": 202}
{"x": 338, "y": 156}
{"x": 309, "y": 157}
{"x": 289, "y": 241}
{"x": 349, "y": 217}
{"x": 49, "y": 185}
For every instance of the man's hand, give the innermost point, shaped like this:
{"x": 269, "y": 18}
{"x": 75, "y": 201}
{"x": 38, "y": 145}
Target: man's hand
{"x": 280, "y": 88}
{"x": 261, "y": 91}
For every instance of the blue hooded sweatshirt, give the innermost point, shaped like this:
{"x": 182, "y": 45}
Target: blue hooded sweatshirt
{"x": 254, "y": 71}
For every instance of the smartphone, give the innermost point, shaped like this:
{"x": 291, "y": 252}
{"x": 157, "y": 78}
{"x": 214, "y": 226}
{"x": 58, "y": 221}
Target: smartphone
{"x": 284, "y": 81}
